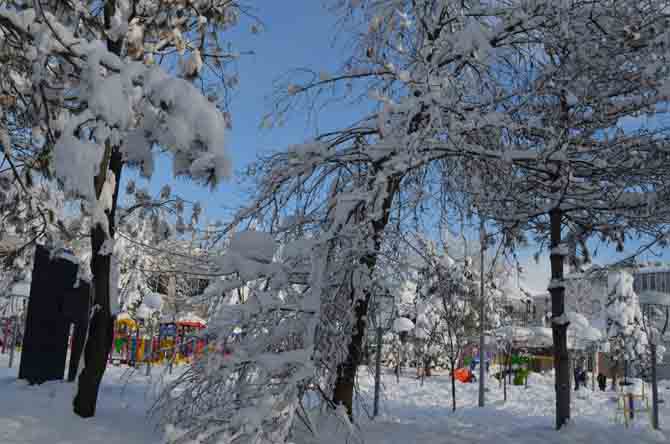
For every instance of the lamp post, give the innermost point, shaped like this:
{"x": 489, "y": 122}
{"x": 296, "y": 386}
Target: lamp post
{"x": 656, "y": 308}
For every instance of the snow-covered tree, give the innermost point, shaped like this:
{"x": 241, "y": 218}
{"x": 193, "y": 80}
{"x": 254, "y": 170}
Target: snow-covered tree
{"x": 585, "y": 293}
{"x": 89, "y": 83}
{"x": 656, "y": 320}
{"x": 444, "y": 309}
{"x": 253, "y": 394}
{"x": 625, "y": 329}
{"x": 501, "y": 107}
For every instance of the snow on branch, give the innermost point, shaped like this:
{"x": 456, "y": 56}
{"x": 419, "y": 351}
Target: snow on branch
{"x": 249, "y": 384}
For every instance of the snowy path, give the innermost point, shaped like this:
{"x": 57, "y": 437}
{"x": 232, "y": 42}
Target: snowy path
{"x": 43, "y": 415}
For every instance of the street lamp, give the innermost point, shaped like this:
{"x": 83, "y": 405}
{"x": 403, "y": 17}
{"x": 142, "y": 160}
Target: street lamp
{"x": 656, "y": 311}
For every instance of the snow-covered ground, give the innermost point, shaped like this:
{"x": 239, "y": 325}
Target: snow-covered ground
{"x": 43, "y": 414}
{"x": 411, "y": 413}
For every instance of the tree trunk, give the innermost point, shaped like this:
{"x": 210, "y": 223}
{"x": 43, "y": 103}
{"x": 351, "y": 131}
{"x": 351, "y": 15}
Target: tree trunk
{"x": 15, "y": 333}
{"x": 654, "y": 388}
{"x": 346, "y": 377}
{"x": 453, "y": 386}
{"x": 149, "y": 352}
{"x": 343, "y": 392}
{"x": 509, "y": 367}
{"x": 378, "y": 372}
{"x": 501, "y": 369}
{"x": 559, "y": 331}
{"x": 101, "y": 329}
{"x": 594, "y": 370}
{"x": 482, "y": 316}
{"x": 504, "y": 372}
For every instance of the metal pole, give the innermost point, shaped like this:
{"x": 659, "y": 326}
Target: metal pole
{"x": 378, "y": 372}
{"x": 482, "y": 314}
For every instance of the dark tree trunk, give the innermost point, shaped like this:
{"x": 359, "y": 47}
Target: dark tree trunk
{"x": 482, "y": 319}
{"x": 378, "y": 371}
{"x": 346, "y": 377}
{"x": 654, "y": 388}
{"x": 343, "y": 392}
{"x": 101, "y": 328}
{"x": 559, "y": 331}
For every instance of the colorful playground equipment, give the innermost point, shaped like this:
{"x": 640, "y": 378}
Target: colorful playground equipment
{"x": 135, "y": 343}
{"x": 632, "y": 400}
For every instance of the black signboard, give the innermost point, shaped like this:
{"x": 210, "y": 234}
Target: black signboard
{"x": 53, "y": 305}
